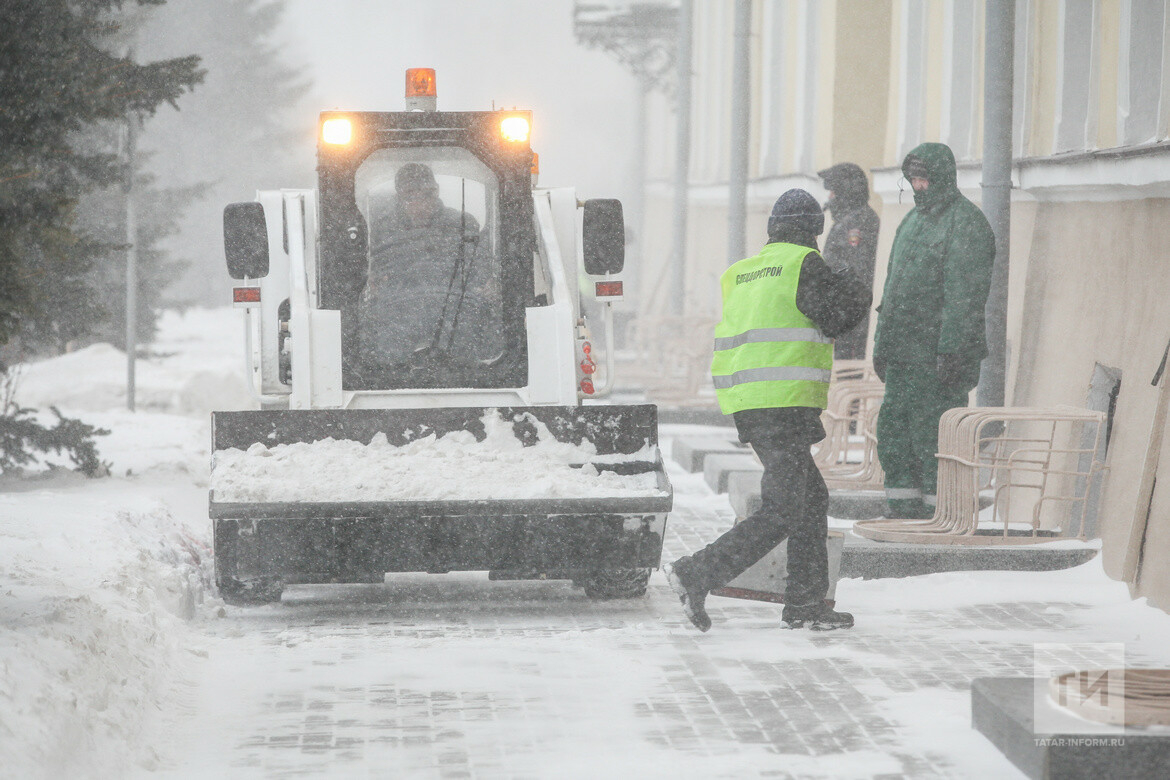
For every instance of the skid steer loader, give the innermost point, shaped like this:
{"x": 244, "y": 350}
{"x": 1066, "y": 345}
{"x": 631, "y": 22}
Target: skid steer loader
{"x": 428, "y": 294}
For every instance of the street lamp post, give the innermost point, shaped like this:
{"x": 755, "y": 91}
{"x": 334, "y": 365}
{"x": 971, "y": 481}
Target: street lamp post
{"x": 131, "y": 262}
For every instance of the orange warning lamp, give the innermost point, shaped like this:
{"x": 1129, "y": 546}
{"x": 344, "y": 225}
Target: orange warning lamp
{"x": 421, "y": 92}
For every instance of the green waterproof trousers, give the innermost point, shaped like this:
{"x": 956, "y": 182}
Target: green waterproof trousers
{"x": 907, "y": 436}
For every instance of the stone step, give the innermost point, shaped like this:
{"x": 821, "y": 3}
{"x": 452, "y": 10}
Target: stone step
{"x": 1014, "y": 714}
{"x": 718, "y": 468}
{"x": 765, "y": 579}
{"x": 690, "y": 451}
{"x": 868, "y": 559}
{"x": 743, "y": 490}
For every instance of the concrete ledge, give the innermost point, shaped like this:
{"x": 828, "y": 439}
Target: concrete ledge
{"x": 857, "y": 504}
{"x": 696, "y": 416}
{"x": 717, "y": 468}
{"x": 843, "y": 504}
{"x": 876, "y": 560}
{"x": 690, "y": 451}
{"x": 743, "y": 490}
{"x": 1002, "y": 709}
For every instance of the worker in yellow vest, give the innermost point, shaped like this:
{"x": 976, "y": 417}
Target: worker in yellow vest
{"x": 771, "y": 368}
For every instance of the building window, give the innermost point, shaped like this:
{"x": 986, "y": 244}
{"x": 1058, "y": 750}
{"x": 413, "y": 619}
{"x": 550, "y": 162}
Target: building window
{"x": 775, "y": 89}
{"x": 806, "y": 90}
{"x": 958, "y": 115}
{"x": 1075, "y": 75}
{"x": 912, "y": 76}
{"x": 1140, "y": 71}
{"x": 1022, "y": 80}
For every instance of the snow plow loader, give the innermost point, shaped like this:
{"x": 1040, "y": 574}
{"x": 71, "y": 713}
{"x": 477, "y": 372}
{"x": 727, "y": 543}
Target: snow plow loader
{"x": 416, "y": 343}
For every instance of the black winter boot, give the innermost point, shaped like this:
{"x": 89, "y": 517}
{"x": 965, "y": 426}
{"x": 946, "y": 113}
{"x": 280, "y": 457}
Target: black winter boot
{"x": 692, "y": 598}
{"x": 818, "y": 617}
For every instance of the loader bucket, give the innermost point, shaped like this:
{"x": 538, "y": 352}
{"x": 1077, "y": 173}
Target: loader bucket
{"x": 597, "y": 516}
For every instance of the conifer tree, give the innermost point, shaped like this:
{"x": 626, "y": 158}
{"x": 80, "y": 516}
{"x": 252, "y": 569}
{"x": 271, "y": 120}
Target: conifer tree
{"x": 60, "y": 80}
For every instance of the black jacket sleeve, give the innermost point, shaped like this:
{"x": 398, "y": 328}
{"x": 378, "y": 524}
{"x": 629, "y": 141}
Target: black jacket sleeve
{"x": 834, "y": 300}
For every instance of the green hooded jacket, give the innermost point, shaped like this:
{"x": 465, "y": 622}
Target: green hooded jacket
{"x": 939, "y": 273}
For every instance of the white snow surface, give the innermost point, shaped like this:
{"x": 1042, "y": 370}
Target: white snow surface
{"x": 100, "y": 579}
{"x": 197, "y": 366}
{"x": 454, "y": 466}
{"x": 117, "y": 659}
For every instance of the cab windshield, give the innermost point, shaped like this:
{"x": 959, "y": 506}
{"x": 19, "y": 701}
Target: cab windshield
{"x": 432, "y": 299}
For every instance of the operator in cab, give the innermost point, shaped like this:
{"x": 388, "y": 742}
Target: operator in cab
{"x": 429, "y": 296}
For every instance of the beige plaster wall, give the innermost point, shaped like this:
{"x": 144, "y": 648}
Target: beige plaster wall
{"x": 936, "y": 38}
{"x": 894, "y": 94}
{"x": 1096, "y": 291}
{"x": 1154, "y": 572}
{"x": 861, "y": 83}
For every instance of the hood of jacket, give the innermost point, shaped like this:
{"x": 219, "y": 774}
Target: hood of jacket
{"x": 849, "y": 186}
{"x": 939, "y": 163}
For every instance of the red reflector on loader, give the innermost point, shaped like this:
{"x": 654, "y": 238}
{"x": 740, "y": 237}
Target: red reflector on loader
{"x": 608, "y": 289}
{"x": 245, "y": 295}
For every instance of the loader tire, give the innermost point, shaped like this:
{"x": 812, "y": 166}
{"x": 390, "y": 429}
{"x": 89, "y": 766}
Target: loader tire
{"x": 250, "y": 593}
{"x": 616, "y": 584}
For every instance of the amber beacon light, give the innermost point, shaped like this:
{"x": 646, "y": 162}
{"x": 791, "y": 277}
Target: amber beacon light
{"x": 420, "y": 82}
{"x": 421, "y": 92}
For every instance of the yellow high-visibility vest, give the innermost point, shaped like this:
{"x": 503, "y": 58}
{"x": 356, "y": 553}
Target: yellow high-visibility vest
{"x": 768, "y": 354}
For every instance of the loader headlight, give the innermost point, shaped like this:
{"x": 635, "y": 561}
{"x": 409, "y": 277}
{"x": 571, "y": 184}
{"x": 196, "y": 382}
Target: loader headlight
{"x": 338, "y": 130}
{"x": 514, "y": 128}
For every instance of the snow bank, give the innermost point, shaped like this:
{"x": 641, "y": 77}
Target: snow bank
{"x": 196, "y": 366}
{"x": 454, "y": 466}
{"x": 99, "y": 578}
{"x": 94, "y": 589}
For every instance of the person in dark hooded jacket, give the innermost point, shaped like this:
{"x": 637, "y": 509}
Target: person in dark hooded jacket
{"x": 772, "y": 362}
{"x": 929, "y": 338}
{"x": 851, "y": 243}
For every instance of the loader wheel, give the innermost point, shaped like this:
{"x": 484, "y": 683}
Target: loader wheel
{"x": 616, "y": 584}
{"x": 250, "y": 593}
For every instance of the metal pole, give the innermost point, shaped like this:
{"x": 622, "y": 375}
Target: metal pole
{"x": 131, "y": 262}
{"x": 682, "y": 160}
{"x": 997, "y": 188}
{"x": 638, "y": 212}
{"x": 740, "y": 132}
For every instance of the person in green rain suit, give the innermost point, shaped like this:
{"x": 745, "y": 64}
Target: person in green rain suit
{"x": 929, "y": 338}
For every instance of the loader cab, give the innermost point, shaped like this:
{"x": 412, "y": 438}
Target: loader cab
{"x": 426, "y": 248}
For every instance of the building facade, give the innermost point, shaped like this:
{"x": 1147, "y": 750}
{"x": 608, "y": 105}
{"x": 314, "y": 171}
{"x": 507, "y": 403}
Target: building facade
{"x": 867, "y": 80}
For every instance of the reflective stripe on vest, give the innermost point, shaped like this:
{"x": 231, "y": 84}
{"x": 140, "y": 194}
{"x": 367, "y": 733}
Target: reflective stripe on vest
{"x": 767, "y": 353}
{"x": 758, "y": 335}
{"x": 787, "y": 374}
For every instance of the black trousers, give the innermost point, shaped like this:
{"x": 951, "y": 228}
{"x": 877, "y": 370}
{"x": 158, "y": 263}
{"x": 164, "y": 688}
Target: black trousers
{"x": 795, "y": 504}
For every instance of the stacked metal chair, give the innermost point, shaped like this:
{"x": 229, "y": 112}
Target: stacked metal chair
{"x": 848, "y": 455}
{"x": 1042, "y": 458}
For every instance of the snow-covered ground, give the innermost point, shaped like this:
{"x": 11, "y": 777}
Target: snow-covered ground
{"x": 100, "y": 579}
{"x": 117, "y": 659}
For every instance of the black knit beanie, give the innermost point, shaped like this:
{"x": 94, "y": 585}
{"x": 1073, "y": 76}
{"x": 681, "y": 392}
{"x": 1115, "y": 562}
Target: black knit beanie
{"x": 798, "y": 209}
